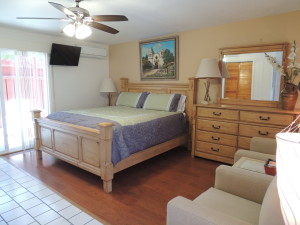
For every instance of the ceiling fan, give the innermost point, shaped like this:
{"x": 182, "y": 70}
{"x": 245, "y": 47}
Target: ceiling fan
{"x": 80, "y": 16}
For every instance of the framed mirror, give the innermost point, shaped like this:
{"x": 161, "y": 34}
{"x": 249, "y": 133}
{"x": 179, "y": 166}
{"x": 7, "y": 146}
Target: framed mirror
{"x": 249, "y": 78}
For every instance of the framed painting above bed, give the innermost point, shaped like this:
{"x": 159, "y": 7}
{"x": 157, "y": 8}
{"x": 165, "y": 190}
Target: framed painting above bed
{"x": 159, "y": 59}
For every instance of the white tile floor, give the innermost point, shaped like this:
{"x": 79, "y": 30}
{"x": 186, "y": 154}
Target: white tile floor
{"x": 25, "y": 200}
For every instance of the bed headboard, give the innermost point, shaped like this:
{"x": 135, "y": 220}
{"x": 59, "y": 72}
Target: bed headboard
{"x": 186, "y": 89}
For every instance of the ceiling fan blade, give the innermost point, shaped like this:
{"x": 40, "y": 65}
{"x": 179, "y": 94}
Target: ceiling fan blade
{"x": 63, "y": 9}
{"x": 43, "y": 18}
{"x": 103, "y": 27}
{"x": 109, "y": 18}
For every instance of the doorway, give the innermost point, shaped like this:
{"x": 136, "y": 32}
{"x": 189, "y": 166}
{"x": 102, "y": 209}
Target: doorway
{"x": 239, "y": 85}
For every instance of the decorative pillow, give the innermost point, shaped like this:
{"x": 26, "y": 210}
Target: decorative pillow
{"x": 165, "y": 102}
{"x": 142, "y": 99}
{"x": 181, "y": 104}
{"x": 132, "y": 99}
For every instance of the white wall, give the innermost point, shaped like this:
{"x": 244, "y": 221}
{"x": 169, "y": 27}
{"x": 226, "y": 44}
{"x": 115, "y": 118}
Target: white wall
{"x": 73, "y": 87}
{"x": 78, "y": 87}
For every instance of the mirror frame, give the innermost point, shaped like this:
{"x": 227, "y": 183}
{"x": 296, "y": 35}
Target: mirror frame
{"x": 254, "y": 49}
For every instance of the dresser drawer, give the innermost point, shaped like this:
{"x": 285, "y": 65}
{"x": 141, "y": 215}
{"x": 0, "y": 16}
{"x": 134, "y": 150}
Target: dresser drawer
{"x": 266, "y": 118}
{"x": 218, "y": 113}
{"x": 217, "y": 126}
{"x": 258, "y": 131}
{"x": 217, "y": 138}
{"x": 215, "y": 149}
{"x": 244, "y": 142}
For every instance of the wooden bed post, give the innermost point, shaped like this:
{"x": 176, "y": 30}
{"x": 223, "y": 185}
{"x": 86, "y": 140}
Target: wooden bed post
{"x": 189, "y": 108}
{"x": 107, "y": 169}
{"x": 36, "y": 114}
{"x": 193, "y": 130}
{"x": 191, "y": 98}
{"x": 124, "y": 84}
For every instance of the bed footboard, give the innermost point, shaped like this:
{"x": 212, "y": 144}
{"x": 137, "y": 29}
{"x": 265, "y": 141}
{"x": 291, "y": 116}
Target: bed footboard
{"x": 89, "y": 149}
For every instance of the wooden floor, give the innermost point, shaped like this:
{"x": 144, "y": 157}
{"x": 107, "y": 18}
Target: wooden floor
{"x": 140, "y": 193}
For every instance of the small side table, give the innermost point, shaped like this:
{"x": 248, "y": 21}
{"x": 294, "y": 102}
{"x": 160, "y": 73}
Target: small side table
{"x": 251, "y": 164}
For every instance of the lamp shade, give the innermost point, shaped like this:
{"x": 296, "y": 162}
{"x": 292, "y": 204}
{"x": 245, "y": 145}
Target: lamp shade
{"x": 69, "y": 30}
{"x": 82, "y": 31}
{"x": 208, "y": 68}
{"x": 107, "y": 85}
{"x": 288, "y": 179}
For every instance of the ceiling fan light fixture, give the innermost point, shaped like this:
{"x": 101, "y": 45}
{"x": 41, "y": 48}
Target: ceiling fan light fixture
{"x": 69, "y": 30}
{"x": 81, "y": 20}
{"x": 82, "y": 31}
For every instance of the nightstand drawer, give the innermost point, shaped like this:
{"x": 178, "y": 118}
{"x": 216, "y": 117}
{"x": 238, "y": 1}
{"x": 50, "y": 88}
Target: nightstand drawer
{"x": 217, "y": 126}
{"x": 258, "y": 131}
{"x": 218, "y": 113}
{"x": 215, "y": 149}
{"x": 217, "y": 138}
{"x": 266, "y": 118}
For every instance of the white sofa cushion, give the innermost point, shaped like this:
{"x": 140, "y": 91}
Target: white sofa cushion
{"x": 270, "y": 210}
{"x": 182, "y": 211}
{"x": 231, "y": 205}
{"x": 263, "y": 145}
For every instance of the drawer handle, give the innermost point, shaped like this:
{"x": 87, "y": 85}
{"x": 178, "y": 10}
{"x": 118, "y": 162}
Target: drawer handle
{"x": 262, "y": 118}
{"x": 215, "y": 139}
{"x": 262, "y": 133}
{"x": 215, "y": 149}
{"x": 217, "y": 114}
{"x": 216, "y": 127}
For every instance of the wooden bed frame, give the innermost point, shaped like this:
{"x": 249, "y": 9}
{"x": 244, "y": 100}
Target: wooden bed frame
{"x": 90, "y": 149}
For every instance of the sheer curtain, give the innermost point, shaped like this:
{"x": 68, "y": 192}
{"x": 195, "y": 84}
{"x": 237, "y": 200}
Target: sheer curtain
{"x": 25, "y": 86}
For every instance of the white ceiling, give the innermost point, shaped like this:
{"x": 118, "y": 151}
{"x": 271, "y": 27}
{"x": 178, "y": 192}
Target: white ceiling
{"x": 147, "y": 18}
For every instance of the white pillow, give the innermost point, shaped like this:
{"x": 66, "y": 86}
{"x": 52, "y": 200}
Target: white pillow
{"x": 165, "y": 102}
{"x": 131, "y": 99}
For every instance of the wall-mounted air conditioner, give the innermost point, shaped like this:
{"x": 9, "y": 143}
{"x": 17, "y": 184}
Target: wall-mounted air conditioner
{"x": 93, "y": 52}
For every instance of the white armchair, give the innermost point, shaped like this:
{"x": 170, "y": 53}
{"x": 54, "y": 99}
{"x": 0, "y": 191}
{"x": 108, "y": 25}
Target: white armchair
{"x": 239, "y": 197}
{"x": 260, "y": 148}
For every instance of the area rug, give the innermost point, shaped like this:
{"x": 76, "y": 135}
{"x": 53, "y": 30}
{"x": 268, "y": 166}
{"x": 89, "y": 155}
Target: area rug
{"x": 26, "y": 200}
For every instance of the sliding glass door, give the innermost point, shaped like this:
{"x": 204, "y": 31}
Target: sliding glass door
{"x": 24, "y": 82}
{"x": 3, "y": 141}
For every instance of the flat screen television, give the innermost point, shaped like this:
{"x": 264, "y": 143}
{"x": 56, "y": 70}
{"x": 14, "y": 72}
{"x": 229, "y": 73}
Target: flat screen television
{"x": 64, "y": 55}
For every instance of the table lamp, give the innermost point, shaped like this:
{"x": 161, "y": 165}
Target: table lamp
{"x": 208, "y": 68}
{"x": 108, "y": 86}
{"x": 288, "y": 179}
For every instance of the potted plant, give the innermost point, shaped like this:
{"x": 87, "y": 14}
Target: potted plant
{"x": 289, "y": 94}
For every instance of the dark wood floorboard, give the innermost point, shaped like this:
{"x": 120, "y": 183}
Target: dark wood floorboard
{"x": 140, "y": 193}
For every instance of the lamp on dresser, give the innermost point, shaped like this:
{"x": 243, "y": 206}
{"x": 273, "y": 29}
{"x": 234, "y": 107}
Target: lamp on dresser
{"x": 208, "y": 68}
{"x": 108, "y": 86}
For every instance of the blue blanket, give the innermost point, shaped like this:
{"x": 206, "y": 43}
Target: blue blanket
{"x": 131, "y": 138}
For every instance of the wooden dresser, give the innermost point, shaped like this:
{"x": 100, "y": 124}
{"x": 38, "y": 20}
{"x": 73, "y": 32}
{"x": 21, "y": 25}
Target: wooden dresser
{"x": 219, "y": 130}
